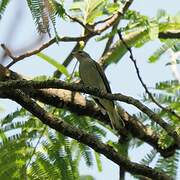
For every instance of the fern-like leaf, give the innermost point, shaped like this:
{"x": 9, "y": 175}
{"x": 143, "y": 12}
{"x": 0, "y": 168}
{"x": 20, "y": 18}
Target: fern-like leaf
{"x": 169, "y": 165}
{"x": 160, "y": 51}
{"x": 3, "y": 5}
{"x": 149, "y": 157}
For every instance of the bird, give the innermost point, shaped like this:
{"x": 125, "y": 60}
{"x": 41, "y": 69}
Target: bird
{"x": 92, "y": 75}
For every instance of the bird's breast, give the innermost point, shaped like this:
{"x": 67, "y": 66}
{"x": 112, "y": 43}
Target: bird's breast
{"x": 90, "y": 75}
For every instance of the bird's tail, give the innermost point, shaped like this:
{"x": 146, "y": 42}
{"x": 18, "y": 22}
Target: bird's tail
{"x": 115, "y": 118}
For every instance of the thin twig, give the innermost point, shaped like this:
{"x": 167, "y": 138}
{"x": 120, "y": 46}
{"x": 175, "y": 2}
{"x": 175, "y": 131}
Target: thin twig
{"x": 91, "y": 30}
{"x": 91, "y": 33}
{"x": 42, "y": 47}
{"x": 113, "y": 19}
{"x": 73, "y": 71}
{"x": 165, "y": 109}
{"x": 103, "y": 21}
{"x": 110, "y": 39}
{"x": 171, "y": 34}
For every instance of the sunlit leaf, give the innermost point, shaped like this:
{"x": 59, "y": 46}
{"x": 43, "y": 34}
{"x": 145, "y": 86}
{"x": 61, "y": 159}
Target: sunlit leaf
{"x": 98, "y": 161}
{"x": 90, "y": 9}
{"x": 153, "y": 30}
{"x": 160, "y": 51}
{"x": 86, "y": 177}
{"x": 118, "y": 50}
{"x": 55, "y": 63}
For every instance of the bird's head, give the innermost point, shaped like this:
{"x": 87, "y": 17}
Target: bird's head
{"x": 81, "y": 55}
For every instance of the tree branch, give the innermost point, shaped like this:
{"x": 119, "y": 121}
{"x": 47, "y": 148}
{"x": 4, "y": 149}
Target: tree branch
{"x": 81, "y": 136}
{"x": 165, "y": 109}
{"x": 114, "y": 18}
{"x": 90, "y": 30}
{"x": 77, "y": 103}
{"x": 171, "y": 34}
{"x": 18, "y": 84}
{"x": 91, "y": 33}
{"x": 42, "y": 47}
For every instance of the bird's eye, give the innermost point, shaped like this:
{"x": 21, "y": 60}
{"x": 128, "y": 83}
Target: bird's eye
{"x": 80, "y": 52}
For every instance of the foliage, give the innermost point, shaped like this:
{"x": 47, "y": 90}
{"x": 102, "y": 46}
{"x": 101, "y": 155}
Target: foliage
{"x": 169, "y": 165}
{"x": 89, "y": 10}
{"x": 55, "y": 63}
{"x": 3, "y": 5}
{"x": 31, "y": 150}
{"x": 44, "y": 12}
{"x": 167, "y": 94}
{"x": 167, "y": 22}
{"x": 37, "y": 151}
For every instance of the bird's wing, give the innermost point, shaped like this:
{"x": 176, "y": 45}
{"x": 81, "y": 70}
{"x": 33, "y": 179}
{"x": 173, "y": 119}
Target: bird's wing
{"x": 98, "y": 103}
{"x": 103, "y": 76}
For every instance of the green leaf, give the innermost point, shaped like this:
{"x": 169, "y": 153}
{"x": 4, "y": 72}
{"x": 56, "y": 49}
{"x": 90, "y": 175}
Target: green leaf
{"x": 107, "y": 35}
{"x": 90, "y": 9}
{"x": 42, "y": 78}
{"x": 118, "y": 50}
{"x": 169, "y": 86}
{"x": 112, "y": 8}
{"x": 3, "y": 5}
{"x": 77, "y": 6}
{"x": 169, "y": 165}
{"x": 153, "y": 30}
{"x": 9, "y": 118}
{"x": 59, "y": 9}
{"x": 98, "y": 161}
{"x": 93, "y": 9}
{"x": 53, "y": 62}
{"x": 120, "y": 148}
{"x": 40, "y": 15}
{"x": 160, "y": 51}
{"x": 86, "y": 177}
{"x": 164, "y": 140}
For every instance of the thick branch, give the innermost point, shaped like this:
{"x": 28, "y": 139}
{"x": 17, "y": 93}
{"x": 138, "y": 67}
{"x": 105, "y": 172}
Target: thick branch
{"x": 92, "y": 91}
{"x": 173, "y": 34}
{"x": 76, "y": 103}
{"x": 81, "y": 136}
